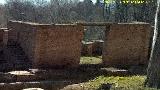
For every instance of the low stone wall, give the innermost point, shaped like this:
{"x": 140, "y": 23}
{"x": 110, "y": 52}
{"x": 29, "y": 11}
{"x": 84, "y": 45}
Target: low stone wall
{"x": 93, "y": 48}
{"x": 98, "y": 47}
{"x": 48, "y": 45}
{"x": 87, "y": 48}
{"x": 127, "y": 44}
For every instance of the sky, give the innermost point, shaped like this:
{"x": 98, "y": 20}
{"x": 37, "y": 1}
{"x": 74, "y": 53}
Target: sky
{"x": 3, "y": 1}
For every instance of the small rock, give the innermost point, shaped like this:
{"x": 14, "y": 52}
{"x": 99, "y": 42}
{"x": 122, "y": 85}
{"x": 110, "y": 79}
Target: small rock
{"x": 33, "y": 89}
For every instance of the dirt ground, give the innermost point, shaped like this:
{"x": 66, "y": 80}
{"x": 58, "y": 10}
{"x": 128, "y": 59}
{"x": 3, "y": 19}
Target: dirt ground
{"x": 57, "y": 79}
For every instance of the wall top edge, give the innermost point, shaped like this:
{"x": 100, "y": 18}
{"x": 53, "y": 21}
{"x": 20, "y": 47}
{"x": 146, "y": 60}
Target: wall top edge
{"x": 78, "y": 23}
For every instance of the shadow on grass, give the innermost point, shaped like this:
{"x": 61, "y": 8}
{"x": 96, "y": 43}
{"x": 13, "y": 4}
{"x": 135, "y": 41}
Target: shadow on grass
{"x": 56, "y": 77}
{"x": 59, "y": 77}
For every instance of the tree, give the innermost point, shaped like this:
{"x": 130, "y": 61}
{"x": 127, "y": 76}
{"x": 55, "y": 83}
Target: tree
{"x": 153, "y": 72}
{"x": 2, "y": 16}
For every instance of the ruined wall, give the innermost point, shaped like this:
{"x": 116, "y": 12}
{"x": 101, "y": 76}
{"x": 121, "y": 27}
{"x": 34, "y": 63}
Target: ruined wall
{"x": 1, "y": 39}
{"x": 48, "y": 45}
{"x": 98, "y": 47}
{"x": 59, "y": 45}
{"x": 13, "y": 30}
{"x": 23, "y": 34}
{"x": 87, "y": 48}
{"x": 126, "y": 44}
{"x": 93, "y": 48}
{"x": 1, "y": 36}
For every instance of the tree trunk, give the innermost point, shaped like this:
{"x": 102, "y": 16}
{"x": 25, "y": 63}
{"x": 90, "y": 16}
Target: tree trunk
{"x": 153, "y": 72}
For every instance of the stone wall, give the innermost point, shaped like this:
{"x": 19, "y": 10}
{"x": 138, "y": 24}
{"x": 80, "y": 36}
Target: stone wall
{"x": 59, "y": 45}
{"x": 23, "y": 34}
{"x": 1, "y": 36}
{"x": 98, "y": 47}
{"x": 127, "y": 44}
{"x": 48, "y": 45}
{"x": 93, "y": 48}
{"x": 87, "y": 48}
{"x": 1, "y": 39}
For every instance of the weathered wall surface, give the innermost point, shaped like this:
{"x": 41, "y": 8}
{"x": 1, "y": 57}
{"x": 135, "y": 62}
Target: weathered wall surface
{"x": 59, "y": 45}
{"x": 13, "y": 30}
{"x": 24, "y": 34}
{"x": 127, "y": 44}
{"x": 87, "y": 48}
{"x": 98, "y": 47}
{"x": 48, "y": 45}
{"x": 1, "y": 36}
{"x": 1, "y": 39}
{"x": 92, "y": 48}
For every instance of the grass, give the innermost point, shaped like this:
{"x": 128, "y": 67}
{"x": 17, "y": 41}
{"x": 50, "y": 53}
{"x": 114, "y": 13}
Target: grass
{"x": 117, "y": 82}
{"x": 89, "y": 79}
{"x": 90, "y": 60}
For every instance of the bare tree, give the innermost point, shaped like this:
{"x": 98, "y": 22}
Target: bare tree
{"x": 2, "y": 16}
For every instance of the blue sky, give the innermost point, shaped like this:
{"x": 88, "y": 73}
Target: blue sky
{"x": 3, "y": 1}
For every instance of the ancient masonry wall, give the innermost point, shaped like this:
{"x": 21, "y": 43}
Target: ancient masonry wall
{"x": 23, "y": 34}
{"x": 1, "y": 36}
{"x": 60, "y": 45}
{"x": 48, "y": 45}
{"x": 127, "y": 44}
